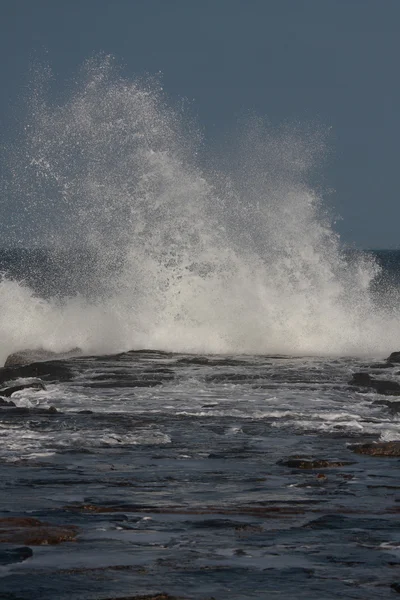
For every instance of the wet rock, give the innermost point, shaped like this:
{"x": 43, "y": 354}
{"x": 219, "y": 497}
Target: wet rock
{"x": 7, "y": 392}
{"x": 14, "y": 555}
{"x": 124, "y": 383}
{"x": 14, "y": 411}
{"x": 232, "y": 378}
{"x": 394, "y": 357}
{"x": 259, "y": 511}
{"x": 330, "y": 521}
{"x": 306, "y": 463}
{"x": 242, "y": 530}
{"x": 391, "y": 388}
{"x": 389, "y": 449}
{"x": 194, "y": 360}
{"x": 215, "y": 524}
{"x": 392, "y": 405}
{"x": 26, "y": 357}
{"x": 147, "y": 597}
{"x": 149, "y": 351}
{"x": 32, "y": 532}
{"x": 361, "y": 379}
{"x": 94, "y": 508}
{"x": 47, "y": 370}
{"x": 6, "y": 402}
{"x": 396, "y": 587}
{"x": 17, "y": 410}
{"x": 382, "y": 386}
{"x": 160, "y": 371}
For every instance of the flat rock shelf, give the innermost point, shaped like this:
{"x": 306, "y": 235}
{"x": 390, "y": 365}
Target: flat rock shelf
{"x": 151, "y": 475}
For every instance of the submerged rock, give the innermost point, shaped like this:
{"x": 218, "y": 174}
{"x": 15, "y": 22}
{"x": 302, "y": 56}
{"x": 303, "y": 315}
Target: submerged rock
{"x": 31, "y": 531}
{"x": 15, "y": 555}
{"x": 390, "y": 449}
{"x": 382, "y": 386}
{"x": 258, "y": 511}
{"x": 295, "y": 462}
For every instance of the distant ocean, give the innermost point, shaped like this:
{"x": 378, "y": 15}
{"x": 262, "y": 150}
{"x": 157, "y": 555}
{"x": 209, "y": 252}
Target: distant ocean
{"x": 389, "y": 261}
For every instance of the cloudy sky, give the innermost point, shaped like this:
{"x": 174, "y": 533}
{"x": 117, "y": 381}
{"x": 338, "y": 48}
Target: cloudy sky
{"x": 331, "y": 61}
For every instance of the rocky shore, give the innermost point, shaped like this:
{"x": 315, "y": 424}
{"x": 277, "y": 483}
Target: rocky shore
{"x": 209, "y": 504}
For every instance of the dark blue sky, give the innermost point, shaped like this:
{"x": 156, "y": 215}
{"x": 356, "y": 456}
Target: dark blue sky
{"x": 335, "y": 61}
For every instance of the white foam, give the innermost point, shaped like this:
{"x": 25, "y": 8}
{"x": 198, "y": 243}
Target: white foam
{"x": 391, "y": 435}
{"x": 185, "y": 258}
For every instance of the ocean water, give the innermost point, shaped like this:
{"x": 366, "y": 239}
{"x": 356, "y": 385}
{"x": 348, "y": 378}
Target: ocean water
{"x": 174, "y": 468}
{"x": 216, "y": 320}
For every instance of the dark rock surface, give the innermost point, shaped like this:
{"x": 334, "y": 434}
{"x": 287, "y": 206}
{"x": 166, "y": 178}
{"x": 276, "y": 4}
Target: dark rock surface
{"x": 396, "y": 587}
{"x": 361, "y": 379}
{"x": 392, "y": 405}
{"x": 147, "y": 597}
{"x": 389, "y": 449}
{"x": 7, "y": 392}
{"x": 11, "y": 410}
{"x": 382, "y": 386}
{"x": 6, "y": 402}
{"x": 33, "y": 532}
{"x": 26, "y": 357}
{"x": 47, "y": 370}
{"x": 307, "y": 463}
{"x": 14, "y": 555}
{"x": 394, "y": 357}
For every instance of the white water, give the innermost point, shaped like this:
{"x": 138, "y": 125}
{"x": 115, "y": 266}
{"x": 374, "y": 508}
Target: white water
{"x": 187, "y": 258}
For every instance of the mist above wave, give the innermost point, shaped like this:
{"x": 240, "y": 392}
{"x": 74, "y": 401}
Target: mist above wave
{"x": 182, "y": 256}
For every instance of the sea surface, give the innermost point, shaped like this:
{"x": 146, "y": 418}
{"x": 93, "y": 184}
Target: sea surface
{"x": 177, "y": 470}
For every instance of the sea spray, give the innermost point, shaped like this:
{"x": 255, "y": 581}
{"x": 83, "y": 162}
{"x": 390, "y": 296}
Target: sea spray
{"x": 179, "y": 256}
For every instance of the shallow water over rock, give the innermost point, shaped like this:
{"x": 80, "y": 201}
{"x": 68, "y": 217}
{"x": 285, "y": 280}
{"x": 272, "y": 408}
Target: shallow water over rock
{"x": 199, "y": 477}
